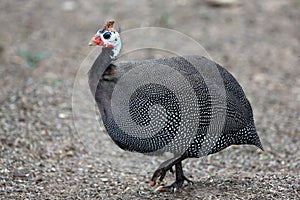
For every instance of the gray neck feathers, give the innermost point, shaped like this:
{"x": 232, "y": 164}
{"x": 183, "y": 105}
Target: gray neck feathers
{"x": 98, "y": 68}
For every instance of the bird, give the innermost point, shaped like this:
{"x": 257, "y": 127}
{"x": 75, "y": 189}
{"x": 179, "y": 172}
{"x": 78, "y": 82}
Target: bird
{"x": 189, "y": 105}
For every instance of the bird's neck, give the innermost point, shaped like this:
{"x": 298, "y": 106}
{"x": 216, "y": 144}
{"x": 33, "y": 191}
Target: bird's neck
{"x": 98, "y": 68}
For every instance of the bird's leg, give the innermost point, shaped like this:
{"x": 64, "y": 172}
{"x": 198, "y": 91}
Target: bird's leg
{"x": 163, "y": 168}
{"x": 180, "y": 178}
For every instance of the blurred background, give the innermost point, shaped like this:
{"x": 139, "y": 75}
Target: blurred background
{"x": 42, "y": 45}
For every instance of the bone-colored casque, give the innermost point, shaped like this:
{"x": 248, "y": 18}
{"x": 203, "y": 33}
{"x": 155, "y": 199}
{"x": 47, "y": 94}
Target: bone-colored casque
{"x": 165, "y": 118}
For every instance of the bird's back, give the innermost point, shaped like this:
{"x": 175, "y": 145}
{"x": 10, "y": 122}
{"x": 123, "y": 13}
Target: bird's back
{"x": 184, "y": 105}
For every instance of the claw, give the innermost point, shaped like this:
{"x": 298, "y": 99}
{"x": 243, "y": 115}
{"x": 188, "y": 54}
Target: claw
{"x": 158, "y": 174}
{"x": 152, "y": 183}
{"x": 176, "y": 186}
{"x": 159, "y": 188}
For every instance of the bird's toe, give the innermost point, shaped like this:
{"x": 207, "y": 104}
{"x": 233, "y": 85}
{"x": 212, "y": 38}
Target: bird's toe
{"x": 176, "y": 186}
{"x": 158, "y": 174}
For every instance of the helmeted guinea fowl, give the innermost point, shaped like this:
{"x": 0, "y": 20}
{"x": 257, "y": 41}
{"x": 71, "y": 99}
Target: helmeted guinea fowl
{"x": 199, "y": 114}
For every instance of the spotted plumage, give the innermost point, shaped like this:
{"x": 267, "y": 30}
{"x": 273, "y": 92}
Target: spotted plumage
{"x": 187, "y": 105}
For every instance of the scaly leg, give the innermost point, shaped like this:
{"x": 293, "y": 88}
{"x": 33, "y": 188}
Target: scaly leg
{"x": 161, "y": 173}
{"x": 163, "y": 168}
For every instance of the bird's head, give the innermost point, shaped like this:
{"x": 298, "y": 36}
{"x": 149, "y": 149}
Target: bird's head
{"x": 108, "y": 37}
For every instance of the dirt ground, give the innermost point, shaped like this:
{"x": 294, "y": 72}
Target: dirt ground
{"x": 42, "y": 45}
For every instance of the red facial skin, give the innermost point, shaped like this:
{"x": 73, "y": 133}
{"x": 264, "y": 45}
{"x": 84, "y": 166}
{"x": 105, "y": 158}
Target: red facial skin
{"x": 96, "y": 40}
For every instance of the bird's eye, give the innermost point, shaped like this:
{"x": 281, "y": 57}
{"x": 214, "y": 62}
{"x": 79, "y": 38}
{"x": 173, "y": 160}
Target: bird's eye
{"x": 107, "y": 35}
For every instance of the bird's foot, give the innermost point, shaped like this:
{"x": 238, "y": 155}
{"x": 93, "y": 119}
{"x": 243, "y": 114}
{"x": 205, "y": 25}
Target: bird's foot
{"x": 177, "y": 185}
{"x": 158, "y": 174}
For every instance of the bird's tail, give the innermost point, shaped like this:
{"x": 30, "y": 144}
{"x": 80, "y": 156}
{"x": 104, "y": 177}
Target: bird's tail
{"x": 248, "y": 135}
{"x": 258, "y": 144}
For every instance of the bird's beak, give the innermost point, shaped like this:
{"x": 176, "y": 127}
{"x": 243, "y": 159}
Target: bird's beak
{"x": 92, "y": 43}
{"x": 96, "y": 40}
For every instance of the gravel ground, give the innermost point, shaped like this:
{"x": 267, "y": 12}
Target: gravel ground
{"x": 42, "y": 156}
